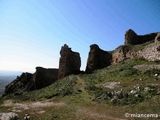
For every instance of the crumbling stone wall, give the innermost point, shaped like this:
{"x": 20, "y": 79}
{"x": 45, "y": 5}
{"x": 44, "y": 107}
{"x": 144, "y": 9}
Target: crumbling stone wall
{"x": 69, "y": 62}
{"x": 97, "y": 59}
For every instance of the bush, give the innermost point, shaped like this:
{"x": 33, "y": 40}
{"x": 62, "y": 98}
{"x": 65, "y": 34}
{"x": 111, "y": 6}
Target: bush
{"x": 152, "y": 72}
{"x": 14, "y": 118}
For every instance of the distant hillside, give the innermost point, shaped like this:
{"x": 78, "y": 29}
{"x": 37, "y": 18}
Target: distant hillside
{"x": 6, "y": 77}
{"x": 9, "y": 73}
{"x": 5, "y": 80}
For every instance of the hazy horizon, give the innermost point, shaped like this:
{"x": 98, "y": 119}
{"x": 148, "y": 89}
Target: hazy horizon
{"x": 33, "y": 31}
{"x": 10, "y": 73}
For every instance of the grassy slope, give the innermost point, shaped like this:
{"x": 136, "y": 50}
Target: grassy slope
{"x": 80, "y": 93}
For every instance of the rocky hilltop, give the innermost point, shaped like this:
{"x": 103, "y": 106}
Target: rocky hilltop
{"x": 27, "y": 81}
{"x": 69, "y": 63}
{"x": 146, "y": 46}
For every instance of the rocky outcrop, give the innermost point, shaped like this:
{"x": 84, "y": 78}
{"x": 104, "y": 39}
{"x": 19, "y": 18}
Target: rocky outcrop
{"x": 135, "y": 93}
{"x": 157, "y": 38}
{"x": 157, "y": 41}
{"x": 28, "y": 82}
{"x": 19, "y": 83}
{"x": 97, "y": 59}
{"x": 151, "y": 51}
{"x": 44, "y": 77}
{"x": 69, "y": 62}
{"x": 132, "y": 38}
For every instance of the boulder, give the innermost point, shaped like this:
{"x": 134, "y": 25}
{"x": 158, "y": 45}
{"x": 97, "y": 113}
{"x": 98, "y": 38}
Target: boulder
{"x": 69, "y": 62}
{"x": 97, "y": 59}
{"x": 8, "y": 116}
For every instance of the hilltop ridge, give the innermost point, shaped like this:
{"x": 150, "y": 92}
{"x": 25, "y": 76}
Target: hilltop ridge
{"x": 114, "y": 82}
{"x": 146, "y": 46}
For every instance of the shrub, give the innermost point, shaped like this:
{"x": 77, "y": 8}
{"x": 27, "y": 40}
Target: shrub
{"x": 152, "y": 72}
{"x": 14, "y": 118}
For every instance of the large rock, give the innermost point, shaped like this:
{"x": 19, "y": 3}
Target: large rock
{"x": 97, "y": 59}
{"x": 132, "y": 38}
{"x": 8, "y": 116}
{"x": 69, "y": 62}
{"x": 44, "y": 77}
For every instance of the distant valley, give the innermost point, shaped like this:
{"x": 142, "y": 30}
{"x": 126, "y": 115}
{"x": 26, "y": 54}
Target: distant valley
{"x": 6, "y": 77}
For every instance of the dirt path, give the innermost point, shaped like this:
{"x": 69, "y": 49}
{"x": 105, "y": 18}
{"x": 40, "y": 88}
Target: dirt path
{"x": 19, "y": 107}
{"x": 95, "y": 116}
{"x": 144, "y": 67}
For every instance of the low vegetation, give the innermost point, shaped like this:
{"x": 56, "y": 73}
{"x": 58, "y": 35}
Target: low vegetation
{"x": 86, "y": 97}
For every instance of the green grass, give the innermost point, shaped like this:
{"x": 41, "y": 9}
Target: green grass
{"x": 80, "y": 94}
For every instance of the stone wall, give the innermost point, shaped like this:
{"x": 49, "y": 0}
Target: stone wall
{"x": 69, "y": 62}
{"x": 119, "y": 54}
{"x": 150, "y": 52}
{"x": 44, "y": 77}
{"x": 97, "y": 59}
{"x": 132, "y": 38}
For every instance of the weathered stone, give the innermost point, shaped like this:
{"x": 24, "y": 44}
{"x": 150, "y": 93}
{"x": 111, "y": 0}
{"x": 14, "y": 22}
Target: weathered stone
{"x": 9, "y": 116}
{"x": 132, "y": 38}
{"x": 121, "y": 53}
{"x": 69, "y": 62}
{"x": 150, "y": 52}
{"x": 27, "y": 81}
{"x": 146, "y": 38}
{"x": 44, "y": 77}
{"x": 157, "y": 41}
{"x": 157, "y": 38}
{"x": 97, "y": 59}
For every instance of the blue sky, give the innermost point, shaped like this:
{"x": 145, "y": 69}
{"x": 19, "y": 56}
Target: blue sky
{"x": 33, "y": 31}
